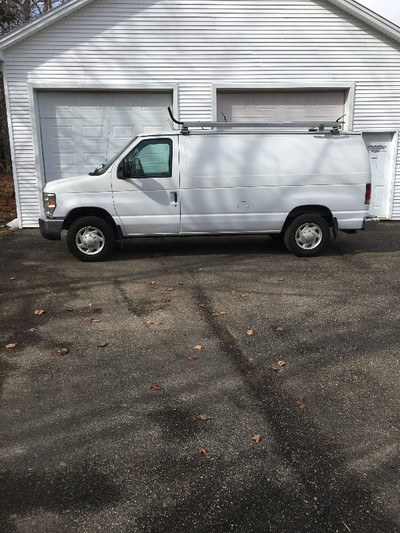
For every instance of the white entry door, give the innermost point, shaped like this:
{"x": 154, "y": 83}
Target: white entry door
{"x": 380, "y": 152}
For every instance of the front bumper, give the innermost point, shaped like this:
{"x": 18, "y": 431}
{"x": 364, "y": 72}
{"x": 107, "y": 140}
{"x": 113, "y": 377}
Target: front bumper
{"x": 51, "y": 228}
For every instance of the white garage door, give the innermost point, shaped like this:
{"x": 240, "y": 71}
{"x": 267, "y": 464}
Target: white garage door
{"x": 81, "y": 130}
{"x": 265, "y": 106}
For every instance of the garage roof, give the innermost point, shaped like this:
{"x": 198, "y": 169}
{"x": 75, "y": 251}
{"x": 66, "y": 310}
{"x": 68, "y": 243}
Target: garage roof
{"x": 349, "y": 6}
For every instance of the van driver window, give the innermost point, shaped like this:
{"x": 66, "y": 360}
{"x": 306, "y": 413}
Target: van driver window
{"x": 151, "y": 159}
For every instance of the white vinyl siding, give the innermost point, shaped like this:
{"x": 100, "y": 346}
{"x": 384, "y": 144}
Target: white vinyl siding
{"x": 200, "y": 47}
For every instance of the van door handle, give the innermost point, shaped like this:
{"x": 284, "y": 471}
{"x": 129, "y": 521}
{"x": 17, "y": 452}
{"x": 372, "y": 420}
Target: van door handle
{"x": 174, "y": 197}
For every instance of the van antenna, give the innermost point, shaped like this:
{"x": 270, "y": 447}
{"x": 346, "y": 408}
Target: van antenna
{"x": 184, "y": 128}
{"x": 173, "y": 118}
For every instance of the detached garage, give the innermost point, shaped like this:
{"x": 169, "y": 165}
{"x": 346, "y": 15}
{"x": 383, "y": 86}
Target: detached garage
{"x": 86, "y": 77}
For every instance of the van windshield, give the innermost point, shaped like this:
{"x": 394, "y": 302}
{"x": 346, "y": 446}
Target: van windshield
{"x": 105, "y": 166}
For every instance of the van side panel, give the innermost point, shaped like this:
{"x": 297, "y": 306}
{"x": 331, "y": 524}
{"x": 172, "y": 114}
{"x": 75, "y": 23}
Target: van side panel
{"x": 249, "y": 183}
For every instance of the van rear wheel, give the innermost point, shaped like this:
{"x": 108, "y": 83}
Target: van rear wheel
{"x": 90, "y": 239}
{"x": 307, "y": 235}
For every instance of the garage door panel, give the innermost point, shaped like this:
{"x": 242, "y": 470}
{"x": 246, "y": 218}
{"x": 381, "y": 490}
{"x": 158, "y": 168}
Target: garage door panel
{"x": 81, "y": 130}
{"x": 256, "y": 106}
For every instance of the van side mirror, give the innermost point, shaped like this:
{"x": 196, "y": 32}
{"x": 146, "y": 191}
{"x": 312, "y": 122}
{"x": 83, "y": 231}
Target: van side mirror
{"x": 124, "y": 169}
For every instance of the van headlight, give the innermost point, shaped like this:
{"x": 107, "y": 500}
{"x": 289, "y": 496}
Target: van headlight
{"x": 49, "y": 203}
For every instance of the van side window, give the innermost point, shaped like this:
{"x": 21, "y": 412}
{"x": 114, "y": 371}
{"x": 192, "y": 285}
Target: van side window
{"x": 150, "y": 159}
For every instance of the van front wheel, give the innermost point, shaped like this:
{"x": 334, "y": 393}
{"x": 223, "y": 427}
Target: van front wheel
{"x": 307, "y": 235}
{"x": 90, "y": 239}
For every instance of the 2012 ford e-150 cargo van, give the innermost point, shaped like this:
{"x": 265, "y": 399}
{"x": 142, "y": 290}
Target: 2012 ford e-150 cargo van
{"x": 294, "y": 184}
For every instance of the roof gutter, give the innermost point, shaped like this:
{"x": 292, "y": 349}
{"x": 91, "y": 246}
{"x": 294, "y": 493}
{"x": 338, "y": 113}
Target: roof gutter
{"x": 369, "y": 17}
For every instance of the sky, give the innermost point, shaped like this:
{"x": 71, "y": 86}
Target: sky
{"x": 390, "y": 9}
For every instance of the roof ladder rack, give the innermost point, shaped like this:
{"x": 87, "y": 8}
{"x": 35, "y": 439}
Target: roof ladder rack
{"x": 310, "y": 125}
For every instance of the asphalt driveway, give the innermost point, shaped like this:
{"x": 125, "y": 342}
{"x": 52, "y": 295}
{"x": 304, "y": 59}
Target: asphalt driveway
{"x": 203, "y": 385}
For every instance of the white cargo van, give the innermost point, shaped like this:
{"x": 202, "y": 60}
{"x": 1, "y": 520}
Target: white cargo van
{"x": 213, "y": 179}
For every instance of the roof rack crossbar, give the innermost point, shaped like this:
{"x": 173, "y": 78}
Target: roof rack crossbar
{"x": 310, "y": 124}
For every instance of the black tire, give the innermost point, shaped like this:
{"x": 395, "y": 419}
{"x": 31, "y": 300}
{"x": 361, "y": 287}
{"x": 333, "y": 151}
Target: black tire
{"x": 90, "y": 239}
{"x": 307, "y": 235}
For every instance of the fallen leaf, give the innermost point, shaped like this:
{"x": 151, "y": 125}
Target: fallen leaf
{"x": 204, "y": 417}
{"x": 39, "y": 311}
{"x": 90, "y": 305}
{"x": 301, "y": 405}
{"x": 63, "y": 351}
{"x": 250, "y": 332}
{"x": 274, "y": 368}
{"x": 192, "y": 357}
{"x": 281, "y": 279}
{"x": 94, "y": 320}
{"x": 202, "y": 451}
{"x": 233, "y": 292}
{"x": 102, "y": 344}
{"x": 243, "y": 295}
{"x": 12, "y": 277}
{"x": 256, "y": 438}
{"x": 12, "y": 345}
{"x": 279, "y": 329}
{"x": 222, "y": 313}
{"x": 215, "y": 314}
{"x": 32, "y": 330}
{"x": 281, "y": 363}
{"x": 150, "y": 282}
{"x": 149, "y": 322}
{"x": 155, "y": 387}
{"x": 69, "y": 309}
{"x": 198, "y": 347}
{"x": 62, "y": 464}
{"x": 165, "y": 300}
{"x": 202, "y": 305}
{"x": 158, "y": 323}
{"x": 169, "y": 290}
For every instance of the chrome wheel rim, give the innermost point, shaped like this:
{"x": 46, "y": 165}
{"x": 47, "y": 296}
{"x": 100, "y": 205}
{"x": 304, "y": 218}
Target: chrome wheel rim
{"x": 90, "y": 240}
{"x": 308, "y": 236}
